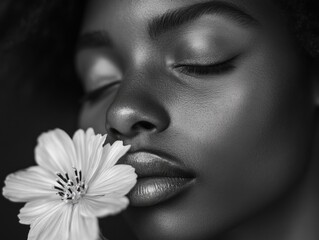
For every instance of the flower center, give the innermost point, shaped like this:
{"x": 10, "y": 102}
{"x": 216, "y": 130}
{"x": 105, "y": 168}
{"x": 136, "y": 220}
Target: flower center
{"x": 70, "y": 189}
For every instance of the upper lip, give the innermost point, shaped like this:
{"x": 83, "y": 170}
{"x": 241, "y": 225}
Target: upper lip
{"x": 148, "y": 164}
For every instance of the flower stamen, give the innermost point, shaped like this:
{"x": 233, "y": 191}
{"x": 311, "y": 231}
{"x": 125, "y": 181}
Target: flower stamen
{"x": 71, "y": 189}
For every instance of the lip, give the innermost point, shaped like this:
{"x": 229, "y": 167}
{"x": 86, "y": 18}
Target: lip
{"x": 159, "y": 178}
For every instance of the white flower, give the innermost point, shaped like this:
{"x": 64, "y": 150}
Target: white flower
{"x": 75, "y": 182}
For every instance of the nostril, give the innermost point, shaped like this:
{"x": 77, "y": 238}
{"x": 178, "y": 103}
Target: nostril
{"x": 131, "y": 131}
{"x": 143, "y": 125}
{"x": 114, "y": 132}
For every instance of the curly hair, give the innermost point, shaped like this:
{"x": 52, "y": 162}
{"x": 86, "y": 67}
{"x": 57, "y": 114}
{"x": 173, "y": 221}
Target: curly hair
{"x": 38, "y": 20}
{"x": 38, "y": 38}
{"x": 303, "y": 20}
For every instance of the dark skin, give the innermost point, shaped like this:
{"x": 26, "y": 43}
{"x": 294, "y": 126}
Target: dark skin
{"x": 229, "y": 94}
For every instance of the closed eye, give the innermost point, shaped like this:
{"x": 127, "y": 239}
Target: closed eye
{"x": 95, "y": 95}
{"x": 206, "y": 69}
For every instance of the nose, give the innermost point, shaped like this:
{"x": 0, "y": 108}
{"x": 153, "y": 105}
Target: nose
{"x": 131, "y": 114}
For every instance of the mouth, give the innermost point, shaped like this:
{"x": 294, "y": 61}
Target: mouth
{"x": 159, "y": 178}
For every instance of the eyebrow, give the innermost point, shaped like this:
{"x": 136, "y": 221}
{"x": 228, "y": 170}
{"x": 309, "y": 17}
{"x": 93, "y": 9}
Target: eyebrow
{"x": 181, "y": 16}
{"x": 94, "y": 39}
{"x": 171, "y": 20}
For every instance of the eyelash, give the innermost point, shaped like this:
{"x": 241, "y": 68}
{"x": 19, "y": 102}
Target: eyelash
{"x": 94, "y": 95}
{"x": 207, "y": 69}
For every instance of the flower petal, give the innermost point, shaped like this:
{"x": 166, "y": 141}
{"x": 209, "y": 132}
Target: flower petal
{"x": 95, "y": 155}
{"x": 55, "y": 151}
{"x": 83, "y": 228}
{"x": 111, "y": 154}
{"x": 35, "y": 209}
{"x": 83, "y": 147}
{"x": 53, "y": 225}
{"x": 103, "y": 206}
{"x": 29, "y": 184}
{"x": 116, "y": 181}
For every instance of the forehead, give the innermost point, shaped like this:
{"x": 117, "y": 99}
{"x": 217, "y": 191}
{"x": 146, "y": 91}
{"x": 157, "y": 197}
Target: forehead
{"x": 136, "y": 14}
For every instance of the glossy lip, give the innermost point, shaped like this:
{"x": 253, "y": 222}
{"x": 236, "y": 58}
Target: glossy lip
{"x": 159, "y": 178}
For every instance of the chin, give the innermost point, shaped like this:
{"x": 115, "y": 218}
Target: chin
{"x": 175, "y": 219}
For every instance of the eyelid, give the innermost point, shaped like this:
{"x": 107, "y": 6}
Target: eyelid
{"x": 100, "y": 82}
{"x": 199, "y": 70}
{"x": 201, "y": 64}
{"x": 94, "y": 94}
{"x": 99, "y": 70}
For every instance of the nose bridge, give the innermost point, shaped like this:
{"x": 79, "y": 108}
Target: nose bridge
{"x": 141, "y": 55}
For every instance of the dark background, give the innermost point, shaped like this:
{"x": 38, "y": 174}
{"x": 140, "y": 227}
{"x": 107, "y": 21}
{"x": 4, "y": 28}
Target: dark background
{"x": 38, "y": 92}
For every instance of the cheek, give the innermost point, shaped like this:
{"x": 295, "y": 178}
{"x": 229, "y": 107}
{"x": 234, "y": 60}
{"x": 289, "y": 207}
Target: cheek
{"x": 92, "y": 117}
{"x": 94, "y": 114}
{"x": 250, "y": 138}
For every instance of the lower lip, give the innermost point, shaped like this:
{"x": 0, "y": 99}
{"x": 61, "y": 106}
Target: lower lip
{"x": 153, "y": 190}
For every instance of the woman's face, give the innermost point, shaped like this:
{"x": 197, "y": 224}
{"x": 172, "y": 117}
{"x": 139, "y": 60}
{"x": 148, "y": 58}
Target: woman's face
{"x": 215, "y": 88}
